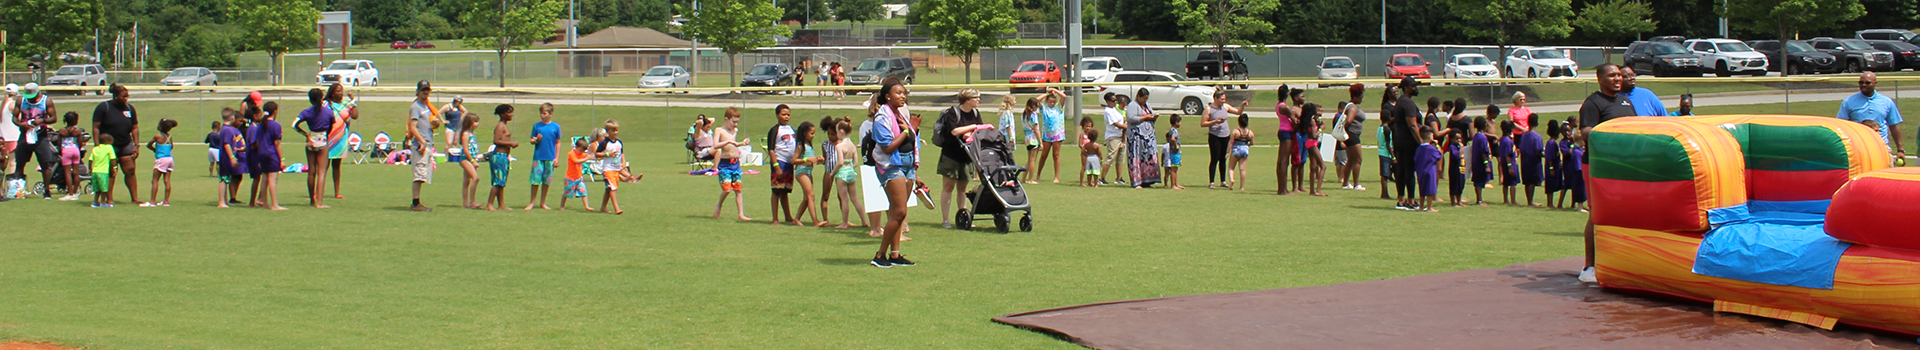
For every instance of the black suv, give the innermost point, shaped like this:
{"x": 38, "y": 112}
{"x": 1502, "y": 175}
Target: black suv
{"x": 1801, "y": 58}
{"x": 1662, "y": 59}
{"x": 769, "y": 74}
{"x": 872, "y": 71}
{"x": 1856, "y": 54}
{"x": 1905, "y": 55}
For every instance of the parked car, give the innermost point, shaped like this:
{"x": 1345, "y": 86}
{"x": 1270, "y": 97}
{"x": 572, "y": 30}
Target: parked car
{"x": 1188, "y": 99}
{"x": 1096, "y": 67}
{"x": 1470, "y": 66}
{"x": 1338, "y": 68}
{"x": 79, "y": 75}
{"x": 1800, "y": 58}
{"x": 1726, "y": 57}
{"x": 1906, "y": 55}
{"x": 1886, "y": 34}
{"x": 666, "y": 77}
{"x": 1035, "y": 72}
{"x": 423, "y": 45}
{"x": 399, "y": 45}
{"x": 1217, "y": 65}
{"x": 349, "y": 73}
{"x": 191, "y": 76}
{"x": 769, "y": 74}
{"x": 1408, "y": 65}
{"x": 1662, "y": 59}
{"x": 1540, "y": 62}
{"x": 872, "y": 71}
{"x": 1858, "y": 55}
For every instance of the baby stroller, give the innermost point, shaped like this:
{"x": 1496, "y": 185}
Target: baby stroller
{"x": 60, "y": 184}
{"x": 1000, "y": 193}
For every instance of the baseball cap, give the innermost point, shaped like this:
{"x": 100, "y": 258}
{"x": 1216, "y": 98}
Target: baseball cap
{"x": 32, "y": 90}
{"x": 423, "y": 86}
{"x": 13, "y": 89}
{"x": 254, "y": 97}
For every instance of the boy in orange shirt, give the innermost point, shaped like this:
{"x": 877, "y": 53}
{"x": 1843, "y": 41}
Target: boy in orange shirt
{"x": 576, "y": 186}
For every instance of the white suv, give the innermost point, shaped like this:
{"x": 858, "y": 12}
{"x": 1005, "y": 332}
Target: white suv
{"x": 1188, "y": 99}
{"x": 349, "y": 73}
{"x": 1727, "y": 57}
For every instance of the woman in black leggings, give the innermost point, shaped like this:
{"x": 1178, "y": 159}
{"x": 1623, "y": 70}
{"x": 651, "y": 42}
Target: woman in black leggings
{"x": 1216, "y": 124}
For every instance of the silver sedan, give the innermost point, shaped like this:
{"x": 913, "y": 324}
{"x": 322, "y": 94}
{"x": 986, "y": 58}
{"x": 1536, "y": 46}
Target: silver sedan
{"x": 191, "y": 76}
{"x": 660, "y": 77}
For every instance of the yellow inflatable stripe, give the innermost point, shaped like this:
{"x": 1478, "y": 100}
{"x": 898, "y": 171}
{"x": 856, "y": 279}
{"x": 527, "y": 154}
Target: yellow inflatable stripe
{"x": 1823, "y": 322}
{"x": 1858, "y": 138}
{"x": 1718, "y": 166}
{"x": 1896, "y": 175}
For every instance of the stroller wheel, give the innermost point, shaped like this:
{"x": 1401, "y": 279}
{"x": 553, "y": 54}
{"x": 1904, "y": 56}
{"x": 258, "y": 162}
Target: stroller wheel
{"x": 1000, "y": 223}
{"x": 40, "y": 188}
{"x": 1026, "y": 222}
{"x": 963, "y": 220}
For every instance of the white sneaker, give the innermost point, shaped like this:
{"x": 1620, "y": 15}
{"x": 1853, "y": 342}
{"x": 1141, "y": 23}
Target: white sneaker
{"x": 70, "y": 197}
{"x": 146, "y": 205}
{"x": 1586, "y": 276}
{"x": 1359, "y": 188}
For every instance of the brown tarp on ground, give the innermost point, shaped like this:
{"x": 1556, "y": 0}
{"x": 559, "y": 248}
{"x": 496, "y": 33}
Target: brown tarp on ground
{"x": 1524, "y": 306}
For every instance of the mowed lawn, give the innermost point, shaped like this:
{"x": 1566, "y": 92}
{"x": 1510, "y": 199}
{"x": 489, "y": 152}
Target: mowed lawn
{"x": 368, "y": 274}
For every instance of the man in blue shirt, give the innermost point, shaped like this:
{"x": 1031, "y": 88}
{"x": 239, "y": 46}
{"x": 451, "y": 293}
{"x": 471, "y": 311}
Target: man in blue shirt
{"x": 1645, "y": 103}
{"x": 1868, "y": 105}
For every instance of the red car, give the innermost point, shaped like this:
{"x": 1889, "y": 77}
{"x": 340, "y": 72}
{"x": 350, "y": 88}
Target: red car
{"x": 1407, "y": 65}
{"x": 1036, "y": 72}
{"x": 398, "y": 45}
{"x": 423, "y": 45}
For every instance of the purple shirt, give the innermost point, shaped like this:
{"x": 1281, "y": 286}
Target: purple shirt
{"x": 1480, "y": 153}
{"x": 232, "y": 163}
{"x": 318, "y": 118}
{"x": 261, "y": 138}
{"x": 1505, "y": 152}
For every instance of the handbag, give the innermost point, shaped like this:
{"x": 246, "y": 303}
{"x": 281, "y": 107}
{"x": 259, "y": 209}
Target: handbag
{"x": 1340, "y": 128}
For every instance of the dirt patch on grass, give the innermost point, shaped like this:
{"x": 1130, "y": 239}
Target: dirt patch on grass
{"x": 20, "y": 345}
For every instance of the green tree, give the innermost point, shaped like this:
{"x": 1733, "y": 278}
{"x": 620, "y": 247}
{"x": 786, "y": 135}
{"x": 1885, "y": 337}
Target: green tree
{"x": 386, "y": 18}
{"x": 1227, "y": 22}
{"x": 805, "y": 11}
{"x": 600, "y": 14}
{"x": 1507, "y": 20}
{"x": 276, "y": 26}
{"x": 1141, "y": 19}
{"x": 963, "y": 27}
{"x": 858, "y": 10}
{"x": 206, "y": 45}
{"x": 1786, "y": 17}
{"x": 515, "y": 24}
{"x": 1609, "y": 21}
{"x": 45, "y": 27}
{"x": 734, "y": 26}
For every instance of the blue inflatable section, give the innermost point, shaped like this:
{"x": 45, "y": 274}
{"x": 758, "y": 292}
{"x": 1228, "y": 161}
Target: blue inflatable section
{"x": 1783, "y": 243}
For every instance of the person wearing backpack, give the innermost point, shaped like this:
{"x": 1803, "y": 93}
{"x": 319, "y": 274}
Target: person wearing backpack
{"x": 956, "y": 165}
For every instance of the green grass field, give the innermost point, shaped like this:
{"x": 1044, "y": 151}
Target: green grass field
{"x": 369, "y": 274}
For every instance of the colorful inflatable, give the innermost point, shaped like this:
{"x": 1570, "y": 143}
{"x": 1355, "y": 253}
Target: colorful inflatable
{"x": 1786, "y": 217}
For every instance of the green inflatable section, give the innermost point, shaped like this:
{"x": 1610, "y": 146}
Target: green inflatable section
{"x": 1789, "y": 148}
{"x": 1634, "y": 157}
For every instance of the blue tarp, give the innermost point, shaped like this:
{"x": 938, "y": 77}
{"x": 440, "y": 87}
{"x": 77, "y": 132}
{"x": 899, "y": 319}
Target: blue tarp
{"x": 1774, "y": 246}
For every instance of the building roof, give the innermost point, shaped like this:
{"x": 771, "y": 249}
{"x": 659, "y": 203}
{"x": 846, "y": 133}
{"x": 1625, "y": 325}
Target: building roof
{"x": 625, "y": 37}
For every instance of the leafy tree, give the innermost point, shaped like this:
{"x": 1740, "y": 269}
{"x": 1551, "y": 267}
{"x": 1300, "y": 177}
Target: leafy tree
{"x": 734, "y": 26}
{"x": 46, "y": 27}
{"x": 857, "y": 10}
{"x": 1786, "y": 17}
{"x": 1507, "y": 20}
{"x": 1887, "y": 14}
{"x": 206, "y": 45}
{"x": 1227, "y": 22}
{"x": 277, "y": 26}
{"x": 600, "y": 14}
{"x": 1612, "y": 20}
{"x": 806, "y": 11}
{"x": 517, "y": 24}
{"x": 963, "y": 27}
{"x": 1141, "y": 19}
{"x": 385, "y": 18}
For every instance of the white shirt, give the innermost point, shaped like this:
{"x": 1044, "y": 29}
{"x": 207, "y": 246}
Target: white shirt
{"x": 8, "y": 131}
{"x": 617, "y": 160}
{"x": 1115, "y": 116}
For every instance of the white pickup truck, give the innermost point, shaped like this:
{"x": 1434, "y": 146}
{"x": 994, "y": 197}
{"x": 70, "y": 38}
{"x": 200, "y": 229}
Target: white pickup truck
{"x": 349, "y": 73}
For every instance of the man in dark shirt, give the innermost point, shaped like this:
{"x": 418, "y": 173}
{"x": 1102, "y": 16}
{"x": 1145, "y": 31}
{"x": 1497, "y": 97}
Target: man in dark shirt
{"x": 1406, "y": 116}
{"x": 116, "y": 117}
{"x": 1600, "y": 107}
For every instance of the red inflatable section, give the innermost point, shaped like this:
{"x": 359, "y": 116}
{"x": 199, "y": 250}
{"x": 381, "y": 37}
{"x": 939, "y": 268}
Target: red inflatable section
{"x": 1878, "y": 209}
{"x": 1787, "y": 186}
{"x": 1647, "y": 205}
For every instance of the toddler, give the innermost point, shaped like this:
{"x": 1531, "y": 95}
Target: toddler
{"x": 1173, "y": 153}
{"x": 1090, "y": 153}
{"x": 576, "y": 170}
{"x": 162, "y": 147}
{"x": 100, "y": 161}
{"x": 1426, "y": 162}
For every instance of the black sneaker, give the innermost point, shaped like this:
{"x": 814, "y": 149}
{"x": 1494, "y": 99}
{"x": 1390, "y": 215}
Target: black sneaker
{"x": 882, "y": 263}
{"x": 900, "y": 261}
